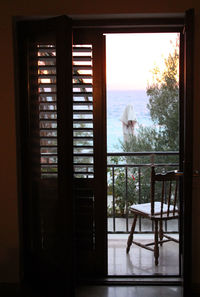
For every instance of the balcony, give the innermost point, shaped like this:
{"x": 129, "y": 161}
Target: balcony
{"x": 129, "y": 182}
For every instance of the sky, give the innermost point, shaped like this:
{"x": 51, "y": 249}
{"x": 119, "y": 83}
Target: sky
{"x": 131, "y": 57}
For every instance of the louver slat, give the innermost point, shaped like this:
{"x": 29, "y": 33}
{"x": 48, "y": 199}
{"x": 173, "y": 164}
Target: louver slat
{"x": 82, "y": 94}
{"x": 77, "y": 76}
{"x": 81, "y": 49}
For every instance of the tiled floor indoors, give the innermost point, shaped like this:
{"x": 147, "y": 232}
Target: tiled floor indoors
{"x": 140, "y": 261}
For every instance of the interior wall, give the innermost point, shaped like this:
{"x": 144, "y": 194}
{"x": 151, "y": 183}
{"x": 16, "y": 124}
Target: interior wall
{"x": 9, "y": 227}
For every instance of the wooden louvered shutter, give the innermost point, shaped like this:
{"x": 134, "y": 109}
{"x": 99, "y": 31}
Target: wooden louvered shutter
{"x": 89, "y": 152}
{"x": 47, "y": 170}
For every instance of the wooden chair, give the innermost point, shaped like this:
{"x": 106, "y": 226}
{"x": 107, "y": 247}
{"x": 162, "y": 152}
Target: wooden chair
{"x": 163, "y": 206}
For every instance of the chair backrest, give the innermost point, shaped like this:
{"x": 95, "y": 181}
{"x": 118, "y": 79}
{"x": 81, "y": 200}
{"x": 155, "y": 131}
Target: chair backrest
{"x": 167, "y": 184}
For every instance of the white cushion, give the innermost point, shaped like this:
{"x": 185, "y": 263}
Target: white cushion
{"x": 146, "y": 208}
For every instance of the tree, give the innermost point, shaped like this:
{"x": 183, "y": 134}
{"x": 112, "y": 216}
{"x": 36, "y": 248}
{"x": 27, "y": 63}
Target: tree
{"x": 163, "y": 104}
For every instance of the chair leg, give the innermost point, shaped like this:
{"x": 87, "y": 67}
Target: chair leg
{"x": 156, "y": 247}
{"x": 130, "y": 238}
{"x": 161, "y": 232}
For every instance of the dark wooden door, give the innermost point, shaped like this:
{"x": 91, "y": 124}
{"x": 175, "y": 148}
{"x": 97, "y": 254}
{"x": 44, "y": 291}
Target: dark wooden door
{"x": 89, "y": 148}
{"x": 45, "y": 101}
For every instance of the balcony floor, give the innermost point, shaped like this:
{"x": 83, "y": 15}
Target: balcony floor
{"x": 129, "y": 291}
{"x": 140, "y": 261}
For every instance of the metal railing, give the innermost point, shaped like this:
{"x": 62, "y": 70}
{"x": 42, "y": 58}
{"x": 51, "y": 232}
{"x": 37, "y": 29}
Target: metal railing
{"x": 129, "y": 183}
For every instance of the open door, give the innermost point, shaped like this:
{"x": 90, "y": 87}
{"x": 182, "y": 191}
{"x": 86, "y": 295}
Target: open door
{"x": 45, "y": 95}
{"x": 89, "y": 151}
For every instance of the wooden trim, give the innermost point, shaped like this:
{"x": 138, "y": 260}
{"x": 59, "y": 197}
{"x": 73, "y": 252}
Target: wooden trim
{"x": 100, "y": 156}
{"x": 22, "y": 148}
{"x": 188, "y": 148}
{"x": 129, "y": 280}
{"x": 181, "y": 147}
{"x": 65, "y": 150}
{"x": 131, "y": 30}
{"x": 130, "y": 25}
{"x": 127, "y": 23}
{"x": 19, "y": 154}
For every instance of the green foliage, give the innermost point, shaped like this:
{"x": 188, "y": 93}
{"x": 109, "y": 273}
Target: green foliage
{"x": 147, "y": 139}
{"x": 130, "y": 187}
{"x": 125, "y": 190}
{"x": 164, "y": 101}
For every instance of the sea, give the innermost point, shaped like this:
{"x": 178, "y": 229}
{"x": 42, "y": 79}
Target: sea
{"x": 117, "y": 100}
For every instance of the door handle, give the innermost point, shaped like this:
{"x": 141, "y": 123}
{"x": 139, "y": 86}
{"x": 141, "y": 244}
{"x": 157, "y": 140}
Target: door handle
{"x": 179, "y": 173}
{"x": 196, "y": 173}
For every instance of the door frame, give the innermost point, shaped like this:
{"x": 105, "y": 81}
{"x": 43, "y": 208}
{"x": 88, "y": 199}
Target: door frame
{"x": 133, "y": 24}
{"x": 183, "y": 24}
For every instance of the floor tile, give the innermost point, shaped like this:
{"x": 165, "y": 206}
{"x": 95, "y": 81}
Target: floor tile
{"x": 129, "y": 291}
{"x": 140, "y": 261}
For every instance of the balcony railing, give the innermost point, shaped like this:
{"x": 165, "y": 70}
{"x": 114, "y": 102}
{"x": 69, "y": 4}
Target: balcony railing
{"x": 129, "y": 183}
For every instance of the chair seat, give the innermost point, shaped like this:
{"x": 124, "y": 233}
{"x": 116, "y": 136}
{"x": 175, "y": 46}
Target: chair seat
{"x": 168, "y": 191}
{"x": 145, "y": 208}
